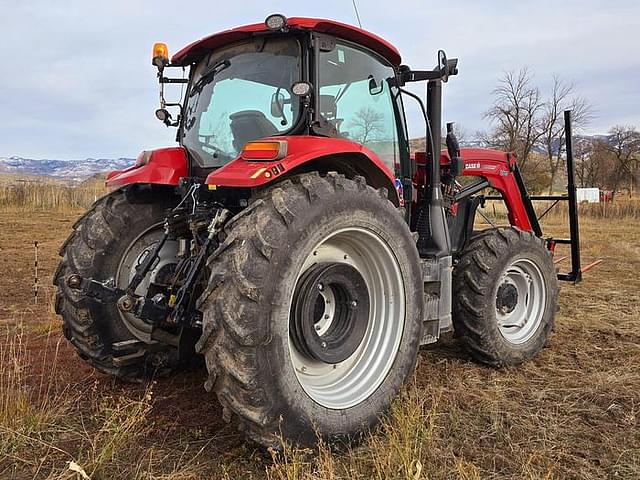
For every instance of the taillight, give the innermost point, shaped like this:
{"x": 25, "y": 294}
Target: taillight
{"x": 264, "y": 151}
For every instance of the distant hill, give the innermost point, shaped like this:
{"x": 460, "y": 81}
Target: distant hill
{"x": 68, "y": 170}
{"x": 419, "y": 143}
{"x": 77, "y": 171}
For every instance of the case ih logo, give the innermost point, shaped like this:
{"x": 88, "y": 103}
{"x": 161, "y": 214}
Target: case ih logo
{"x": 474, "y": 165}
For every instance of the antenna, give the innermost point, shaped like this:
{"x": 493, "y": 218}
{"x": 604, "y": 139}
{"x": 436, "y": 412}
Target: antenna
{"x": 355, "y": 7}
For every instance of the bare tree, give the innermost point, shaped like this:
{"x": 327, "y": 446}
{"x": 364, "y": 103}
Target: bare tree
{"x": 552, "y": 122}
{"x": 368, "y": 125}
{"x": 516, "y": 113}
{"x": 593, "y": 162}
{"x": 624, "y": 147}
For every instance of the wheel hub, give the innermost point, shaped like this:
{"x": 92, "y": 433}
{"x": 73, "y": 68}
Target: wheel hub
{"x": 330, "y": 312}
{"x": 520, "y": 301}
{"x": 506, "y": 298}
{"x": 154, "y": 282}
{"x": 348, "y": 383}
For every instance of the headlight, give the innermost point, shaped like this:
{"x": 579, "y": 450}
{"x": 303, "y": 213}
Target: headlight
{"x": 276, "y": 22}
{"x": 301, "y": 89}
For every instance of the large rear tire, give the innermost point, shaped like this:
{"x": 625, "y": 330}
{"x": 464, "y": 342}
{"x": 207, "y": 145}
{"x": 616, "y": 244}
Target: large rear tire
{"x": 106, "y": 244}
{"x": 505, "y": 295}
{"x": 312, "y": 316}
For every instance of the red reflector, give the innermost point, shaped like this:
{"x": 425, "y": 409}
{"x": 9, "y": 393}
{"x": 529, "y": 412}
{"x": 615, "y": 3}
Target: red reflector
{"x": 265, "y": 151}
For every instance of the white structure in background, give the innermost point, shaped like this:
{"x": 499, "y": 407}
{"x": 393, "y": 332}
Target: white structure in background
{"x": 589, "y": 195}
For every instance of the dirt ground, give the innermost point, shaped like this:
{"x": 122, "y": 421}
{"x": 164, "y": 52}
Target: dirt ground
{"x": 574, "y": 412}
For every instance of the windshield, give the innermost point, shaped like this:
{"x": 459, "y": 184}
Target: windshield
{"x": 239, "y": 94}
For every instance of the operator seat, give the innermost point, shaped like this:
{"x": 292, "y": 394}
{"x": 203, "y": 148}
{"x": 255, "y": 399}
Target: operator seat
{"x": 249, "y": 125}
{"x": 329, "y": 111}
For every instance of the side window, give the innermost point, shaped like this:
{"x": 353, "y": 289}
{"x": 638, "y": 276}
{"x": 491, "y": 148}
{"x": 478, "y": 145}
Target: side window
{"x": 356, "y": 97}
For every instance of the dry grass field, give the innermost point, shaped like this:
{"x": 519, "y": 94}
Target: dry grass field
{"x": 574, "y": 412}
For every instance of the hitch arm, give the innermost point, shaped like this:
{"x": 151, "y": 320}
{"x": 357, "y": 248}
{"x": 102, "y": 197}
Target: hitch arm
{"x": 150, "y": 310}
{"x": 95, "y": 289}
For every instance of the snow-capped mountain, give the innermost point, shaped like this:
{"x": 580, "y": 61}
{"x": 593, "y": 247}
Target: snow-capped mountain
{"x": 419, "y": 144}
{"x": 72, "y": 170}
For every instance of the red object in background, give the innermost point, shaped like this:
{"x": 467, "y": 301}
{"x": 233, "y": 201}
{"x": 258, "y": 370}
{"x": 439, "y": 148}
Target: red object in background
{"x": 164, "y": 166}
{"x": 196, "y": 50}
{"x": 493, "y": 165}
{"x": 606, "y": 195}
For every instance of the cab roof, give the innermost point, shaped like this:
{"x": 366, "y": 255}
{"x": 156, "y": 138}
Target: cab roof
{"x": 198, "y": 49}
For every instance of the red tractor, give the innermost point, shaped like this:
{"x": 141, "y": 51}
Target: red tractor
{"x": 293, "y": 240}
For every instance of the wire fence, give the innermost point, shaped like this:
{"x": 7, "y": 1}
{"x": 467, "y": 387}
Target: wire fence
{"x": 31, "y": 196}
{"x": 621, "y": 208}
{"x": 49, "y": 196}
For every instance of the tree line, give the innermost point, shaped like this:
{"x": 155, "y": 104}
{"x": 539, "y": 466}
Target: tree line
{"x": 525, "y": 121}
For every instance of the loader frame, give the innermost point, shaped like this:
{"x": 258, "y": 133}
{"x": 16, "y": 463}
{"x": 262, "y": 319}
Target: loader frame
{"x": 575, "y": 274}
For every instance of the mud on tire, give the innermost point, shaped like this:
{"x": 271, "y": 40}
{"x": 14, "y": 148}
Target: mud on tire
{"x": 94, "y": 249}
{"x": 255, "y": 271}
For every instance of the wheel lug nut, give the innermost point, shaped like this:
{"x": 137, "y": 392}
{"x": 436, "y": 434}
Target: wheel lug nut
{"x": 346, "y": 256}
{"x": 326, "y": 317}
{"x": 320, "y": 287}
{"x": 303, "y": 369}
{"x": 324, "y": 344}
{"x": 354, "y": 304}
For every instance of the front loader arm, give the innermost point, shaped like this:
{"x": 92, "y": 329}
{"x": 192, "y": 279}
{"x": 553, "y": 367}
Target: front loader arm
{"x": 501, "y": 172}
{"x": 494, "y": 169}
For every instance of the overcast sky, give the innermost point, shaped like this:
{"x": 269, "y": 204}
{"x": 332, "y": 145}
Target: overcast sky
{"x": 76, "y": 79}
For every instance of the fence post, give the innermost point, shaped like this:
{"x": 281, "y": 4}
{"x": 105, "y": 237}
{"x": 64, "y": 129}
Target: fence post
{"x": 35, "y": 273}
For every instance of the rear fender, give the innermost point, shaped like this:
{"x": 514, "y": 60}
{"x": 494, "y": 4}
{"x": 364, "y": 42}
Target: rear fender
{"x": 304, "y": 154}
{"x": 164, "y": 166}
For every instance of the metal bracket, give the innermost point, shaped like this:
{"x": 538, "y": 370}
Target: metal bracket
{"x": 437, "y": 278}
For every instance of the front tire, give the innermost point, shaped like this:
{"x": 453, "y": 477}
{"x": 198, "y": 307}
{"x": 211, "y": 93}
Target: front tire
{"x": 286, "y": 342}
{"x": 505, "y": 293}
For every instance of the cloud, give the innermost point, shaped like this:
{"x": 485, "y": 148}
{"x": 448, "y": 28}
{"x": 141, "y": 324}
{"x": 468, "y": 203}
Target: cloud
{"x": 78, "y": 82}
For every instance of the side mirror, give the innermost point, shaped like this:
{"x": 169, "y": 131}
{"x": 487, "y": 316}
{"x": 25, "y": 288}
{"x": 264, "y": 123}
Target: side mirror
{"x": 446, "y": 67}
{"x": 374, "y": 88}
{"x": 442, "y": 65}
{"x": 277, "y": 105}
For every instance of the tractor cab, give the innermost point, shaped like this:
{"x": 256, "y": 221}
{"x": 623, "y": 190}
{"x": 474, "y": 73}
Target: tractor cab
{"x": 285, "y": 78}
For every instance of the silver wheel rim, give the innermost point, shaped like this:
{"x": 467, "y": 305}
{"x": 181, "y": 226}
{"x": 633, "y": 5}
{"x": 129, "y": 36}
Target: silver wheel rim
{"x": 520, "y": 324}
{"x": 133, "y": 256}
{"x": 352, "y": 381}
